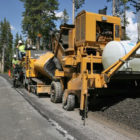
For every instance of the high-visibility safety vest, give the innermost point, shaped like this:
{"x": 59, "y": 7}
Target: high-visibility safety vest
{"x": 15, "y": 62}
{"x": 22, "y": 48}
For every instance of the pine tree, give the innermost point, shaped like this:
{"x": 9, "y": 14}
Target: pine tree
{"x": 16, "y": 43}
{"x": 121, "y": 6}
{"x": 16, "y": 40}
{"x": 65, "y": 17}
{"x": 79, "y": 3}
{"x": 136, "y": 5}
{"x": 124, "y": 18}
{"x": 38, "y": 18}
{"x": 6, "y": 42}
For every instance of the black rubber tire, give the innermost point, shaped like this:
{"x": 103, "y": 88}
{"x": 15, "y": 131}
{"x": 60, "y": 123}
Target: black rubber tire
{"x": 56, "y": 92}
{"x": 34, "y": 91}
{"x": 69, "y": 103}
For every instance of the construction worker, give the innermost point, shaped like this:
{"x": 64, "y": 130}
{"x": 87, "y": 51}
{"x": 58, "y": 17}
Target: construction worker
{"x": 16, "y": 71}
{"x": 21, "y": 49}
{"x": 15, "y": 64}
{"x": 15, "y": 61}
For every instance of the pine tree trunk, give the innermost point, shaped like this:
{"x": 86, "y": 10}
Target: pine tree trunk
{"x": 73, "y": 11}
{"x": 125, "y": 24}
{"x": 38, "y": 43}
{"x": 138, "y": 16}
{"x": 0, "y": 67}
{"x": 114, "y": 8}
{"x": 2, "y": 61}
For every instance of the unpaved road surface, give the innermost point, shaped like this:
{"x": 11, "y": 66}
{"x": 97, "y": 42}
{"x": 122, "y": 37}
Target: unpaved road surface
{"x": 69, "y": 124}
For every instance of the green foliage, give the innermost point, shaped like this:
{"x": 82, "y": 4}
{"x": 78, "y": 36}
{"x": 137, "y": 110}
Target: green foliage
{"x": 16, "y": 40}
{"x": 121, "y": 6}
{"x": 38, "y": 18}
{"x": 79, "y": 3}
{"x": 6, "y": 41}
{"x": 136, "y": 5}
{"x": 65, "y": 17}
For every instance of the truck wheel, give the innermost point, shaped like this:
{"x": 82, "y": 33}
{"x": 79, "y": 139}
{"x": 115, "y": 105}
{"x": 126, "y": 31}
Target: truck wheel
{"x": 34, "y": 90}
{"x": 56, "y": 92}
{"x": 69, "y": 103}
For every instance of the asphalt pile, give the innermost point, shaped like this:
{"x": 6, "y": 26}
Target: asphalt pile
{"x": 122, "y": 107}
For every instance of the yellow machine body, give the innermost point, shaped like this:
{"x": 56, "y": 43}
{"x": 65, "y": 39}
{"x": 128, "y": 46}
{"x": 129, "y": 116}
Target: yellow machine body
{"x": 81, "y": 56}
{"x": 88, "y": 26}
{"x": 29, "y": 65}
{"x": 83, "y": 41}
{"x": 34, "y": 64}
{"x": 78, "y": 48}
{"x": 40, "y": 63}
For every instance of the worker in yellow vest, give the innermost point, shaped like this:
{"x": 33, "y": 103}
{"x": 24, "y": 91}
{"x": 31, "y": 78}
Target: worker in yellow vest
{"x": 15, "y": 64}
{"x": 15, "y": 61}
{"x": 21, "y": 49}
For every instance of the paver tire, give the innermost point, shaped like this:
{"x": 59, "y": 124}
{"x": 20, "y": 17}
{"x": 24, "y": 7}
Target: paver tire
{"x": 69, "y": 103}
{"x": 56, "y": 92}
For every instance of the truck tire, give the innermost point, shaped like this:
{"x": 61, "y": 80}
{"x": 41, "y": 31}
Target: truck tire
{"x": 34, "y": 90}
{"x": 69, "y": 103}
{"x": 56, "y": 92}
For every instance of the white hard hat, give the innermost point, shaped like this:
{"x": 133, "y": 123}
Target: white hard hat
{"x": 14, "y": 55}
{"x": 20, "y": 41}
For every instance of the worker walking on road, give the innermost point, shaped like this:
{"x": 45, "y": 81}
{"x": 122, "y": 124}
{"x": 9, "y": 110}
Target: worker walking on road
{"x": 21, "y": 50}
